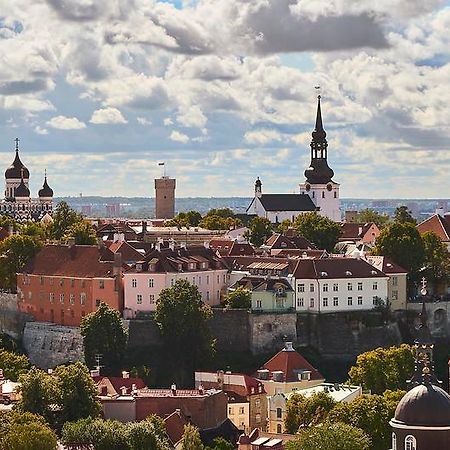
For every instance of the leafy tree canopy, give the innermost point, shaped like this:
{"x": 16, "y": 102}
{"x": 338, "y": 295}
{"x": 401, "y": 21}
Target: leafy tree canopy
{"x": 239, "y": 298}
{"x": 82, "y": 232}
{"x": 191, "y": 438}
{"x": 319, "y": 230}
{"x": 370, "y": 215}
{"x": 259, "y": 230}
{"x": 383, "y": 368}
{"x": 304, "y": 411}
{"x": 183, "y": 318}
{"x": 221, "y": 212}
{"x": 185, "y": 219}
{"x": 336, "y": 436}
{"x": 437, "y": 258}
{"x": 403, "y": 244}
{"x": 63, "y": 218}
{"x": 104, "y": 334}
{"x": 403, "y": 215}
{"x": 13, "y": 365}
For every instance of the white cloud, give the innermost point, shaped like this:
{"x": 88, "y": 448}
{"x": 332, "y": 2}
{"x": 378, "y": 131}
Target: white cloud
{"x": 262, "y": 136}
{"x": 66, "y": 123}
{"x": 40, "y": 130}
{"x": 143, "y": 121}
{"x": 168, "y": 122}
{"x": 107, "y": 116}
{"x": 179, "y": 137}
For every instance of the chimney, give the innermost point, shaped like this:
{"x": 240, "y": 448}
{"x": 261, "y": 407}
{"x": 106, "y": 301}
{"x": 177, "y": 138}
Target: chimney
{"x": 440, "y": 211}
{"x": 172, "y": 244}
{"x": 144, "y": 226}
{"x": 220, "y": 379}
{"x": 201, "y": 389}
{"x": 125, "y": 374}
{"x": 95, "y": 373}
{"x": 117, "y": 270}
{"x": 133, "y": 389}
{"x": 173, "y": 388}
{"x": 288, "y": 347}
{"x": 206, "y": 244}
{"x": 360, "y": 230}
{"x": 119, "y": 237}
{"x": 123, "y": 390}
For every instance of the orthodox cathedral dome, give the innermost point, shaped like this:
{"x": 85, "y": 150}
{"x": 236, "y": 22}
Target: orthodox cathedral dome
{"x": 16, "y": 168}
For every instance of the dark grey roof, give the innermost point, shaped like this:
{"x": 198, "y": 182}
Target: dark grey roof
{"x": 287, "y": 202}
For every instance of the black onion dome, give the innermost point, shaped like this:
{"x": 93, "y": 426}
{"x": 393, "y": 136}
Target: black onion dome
{"x": 46, "y": 190}
{"x": 22, "y": 190}
{"x": 15, "y": 170}
{"x": 319, "y": 172}
{"x": 425, "y": 405}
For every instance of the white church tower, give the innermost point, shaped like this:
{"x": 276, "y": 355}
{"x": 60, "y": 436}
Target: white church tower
{"x": 324, "y": 192}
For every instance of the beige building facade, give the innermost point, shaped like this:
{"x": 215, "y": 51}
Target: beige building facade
{"x": 165, "y": 197}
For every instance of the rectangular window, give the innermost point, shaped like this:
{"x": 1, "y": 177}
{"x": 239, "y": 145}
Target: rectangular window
{"x": 150, "y": 282}
{"x": 325, "y": 287}
{"x": 207, "y": 279}
{"x": 360, "y": 286}
{"x": 259, "y": 304}
{"x": 30, "y": 294}
{"x": 394, "y": 295}
{"x": 300, "y": 302}
{"x": 72, "y": 299}
{"x": 193, "y": 280}
{"x": 335, "y": 301}
{"x": 101, "y": 284}
{"x": 152, "y": 299}
{"x": 394, "y": 281}
{"x": 61, "y": 282}
{"x": 97, "y": 302}
{"x": 375, "y": 286}
{"x": 207, "y": 296}
{"x": 349, "y": 286}
{"x": 311, "y": 288}
{"x": 172, "y": 281}
{"x": 50, "y": 281}
{"x": 199, "y": 280}
{"x": 301, "y": 287}
{"x": 218, "y": 279}
{"x": 41, "y": 280}
{"x": 375, "y": 300}
{"x": 82, "y": 298}
{"x": 230, "y": 411}
{"x": 335, "y": 287}
{"x": 139, "y": 299}
{"x": 134, "y": 282}
{"x": 224, "y": 278}
{"x": 241, "y": 410}
{"x": 72, "y": 283}
{"x": 311, "y": 303}
{"x": 359, "y": 300}
{"x": 349, "y": 301}
{"x": 325, "y": 301}
{"x": 61, "y": 298}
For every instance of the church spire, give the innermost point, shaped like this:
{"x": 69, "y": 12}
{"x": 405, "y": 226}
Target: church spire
{"x": 319, "y": 133}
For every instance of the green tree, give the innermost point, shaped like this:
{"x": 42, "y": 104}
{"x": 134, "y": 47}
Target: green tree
{"x": 39, "y": 392}
{"x": 239, "y": 298}
{"x": 82, "y": 233}
{"x": 15, "y": 252}
{"x": 148, "y": 434}
{"x": 78, "y": 392}
{"x": 104, "y": 334}
{"x": 220, "y": 443}
{"x": 259, "y": 230}
{"x": 25, "y": 431}
{"x": 383, "y": 368}
{"x": 183, "y": 320}
{"x": 284, "y": 226}
{"x": 370, "y": 413}
{"x": 335, "y": 436}
{"x": 63, "y": 218}
{"x": 7, "y": 221}
{"x": 403, "y": 244}
{"x": 437, "y": 259}
{"x": 213, "y": 222}
{"x": 370, "y": 215}
{"x": 319, "y": 230}
{"x": 221, "y": 212}
{"x": 403, "y": 215}
{"x": 191, "y": 438}
{"x": 304, "y": 411}
{"x": 13, "y": 365}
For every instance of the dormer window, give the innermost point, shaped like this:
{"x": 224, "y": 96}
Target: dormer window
{"x": 348, "y": 273}
{"x": 323, "y": 274}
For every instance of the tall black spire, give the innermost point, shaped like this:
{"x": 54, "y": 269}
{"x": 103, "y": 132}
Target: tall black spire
{"x": 318, "y": 171}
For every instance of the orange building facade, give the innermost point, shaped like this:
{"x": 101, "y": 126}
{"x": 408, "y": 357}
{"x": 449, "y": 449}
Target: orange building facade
{"x": 62, "y": 284}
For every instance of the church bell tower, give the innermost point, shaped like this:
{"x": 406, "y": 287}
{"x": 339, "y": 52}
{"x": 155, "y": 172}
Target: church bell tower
{"x": 319, "y": 185}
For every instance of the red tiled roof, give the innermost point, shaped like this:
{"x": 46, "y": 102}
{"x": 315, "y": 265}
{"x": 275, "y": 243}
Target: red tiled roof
{"x": 241, "y": 249}
{"x": 437, "y": 224}
{"x": 129, "y": 253}
{"x": 333, "y": 268}
{"x": 81, "y": 261}
{"x": 119, "y": 382}
{"x": 278, "y": 241}
{"x": 385, "y": 264}
{"x": 289, "y": 362}
{"x": 146, "y": 392}
{"x": 175, "y": 423}
{"x": 354, "y": 230}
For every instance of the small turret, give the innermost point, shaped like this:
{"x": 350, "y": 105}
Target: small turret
{"x": 258, "y": 188}
{"x": 46, "y": 191}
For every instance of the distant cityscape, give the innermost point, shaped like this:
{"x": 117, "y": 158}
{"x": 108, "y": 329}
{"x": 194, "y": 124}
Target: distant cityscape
{"x": 143, "y": 207}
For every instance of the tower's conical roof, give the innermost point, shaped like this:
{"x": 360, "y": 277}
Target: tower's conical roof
{"x": 15, "y": 170}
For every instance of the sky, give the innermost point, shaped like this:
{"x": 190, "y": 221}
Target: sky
{"x": 223, "y": 91}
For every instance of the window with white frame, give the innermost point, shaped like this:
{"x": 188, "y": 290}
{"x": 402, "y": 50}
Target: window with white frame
{"x": 335, "y": 287}
{"x": 350, "y": 301}
{"x": 311, "y": 303}
{"x": 301, "y": 287}
{"x": 151, "y": 299}
{"x": 300, "y": 302}
{"x": 61, "y": 298}
{"x": 375, "y": 286}
{"x": 410, "y": 443}
{"x": 394, "y": 441}
{"x": 259, "y": 304}
{"x": 199, "y": 280}
{"x": 207, "y": 296}
{"x": 52, "y": 297}
{"x": 151, "y": 282}
{"x": 375, "y": 300}
{"x": 134, "y": 282}
{"x": 359, "y": 300}
{"x": 325, "y": 287}
{"x": 335, "y": 301}
{"x": 139, "y": 299}
{"x": 83, "y": 298}
{"x": 311, "y": 288}
{"x": 72, "y": 299}
{"x": 394, "y": 281}
{"x": 207, "y": 279}
{"x": 394, "y": 295}
{"x": 349, "y": 287}
{"x": 325, "y": 301}
{"x": 360, "y": 285}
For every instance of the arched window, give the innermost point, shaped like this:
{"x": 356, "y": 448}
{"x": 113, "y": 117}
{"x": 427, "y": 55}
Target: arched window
{"x": 279, "y": 428}
{"x": 394, "y": 441}
{"x": 410, "y": 443}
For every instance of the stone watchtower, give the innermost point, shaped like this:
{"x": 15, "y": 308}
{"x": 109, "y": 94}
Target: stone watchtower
{"x": 165, "y": 197}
